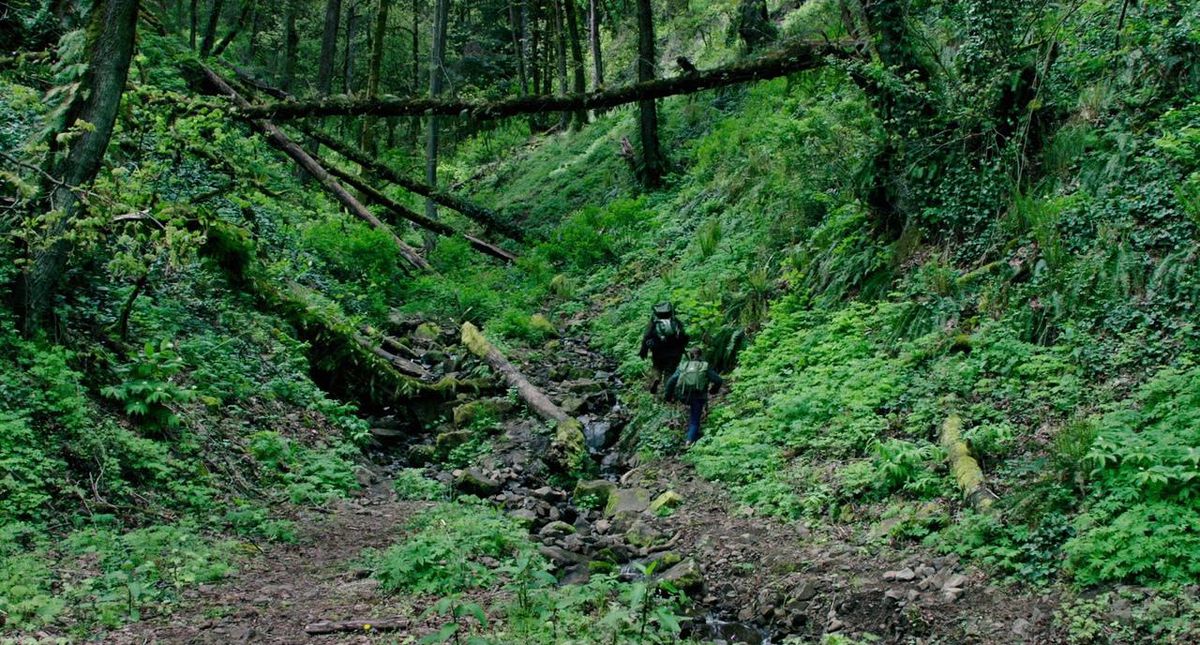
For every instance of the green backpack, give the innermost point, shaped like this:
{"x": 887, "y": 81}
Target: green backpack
{"x": 666, "y": 328}
{"x": 693, "y": 379}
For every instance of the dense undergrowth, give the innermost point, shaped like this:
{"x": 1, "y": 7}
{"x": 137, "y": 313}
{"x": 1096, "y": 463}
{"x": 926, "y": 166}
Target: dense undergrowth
{"x": 1049, "y": 303}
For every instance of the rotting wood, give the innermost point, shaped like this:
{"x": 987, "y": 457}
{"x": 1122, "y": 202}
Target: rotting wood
{"x": 365, "y": 626}
{"x": 401, "y": 364}
{"x": 566, "y": 448}
{"x": 281, "y": 142}
{"x": 963, "y": 466}
{"x": 787, "y": 60}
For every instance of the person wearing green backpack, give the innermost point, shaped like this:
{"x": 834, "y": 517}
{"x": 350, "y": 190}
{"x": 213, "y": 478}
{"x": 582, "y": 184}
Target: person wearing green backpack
{"x": 692, "y": 384}
{"x": 665, "y": 341}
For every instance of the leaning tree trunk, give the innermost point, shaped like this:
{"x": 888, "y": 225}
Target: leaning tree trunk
{"x": 653, "y": 164}
{"x": 242, "y": 19}
{"x": 579, "y": 118}
{"x": 437, "y": 73}
{"x": 566, "y": 448}
{"x": 369, "y": 144}
{"x": 110, "y": 43}
{"x": 210, "y": 27}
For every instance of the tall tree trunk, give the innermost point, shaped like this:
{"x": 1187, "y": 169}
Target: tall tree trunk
{"x": 594, "y": 41}
{"x": 535, "y": 50}
{"x": 374, "y": 67}
{"x": 210, "y": 27}
{"x": 414, "y": 125}
{"x": 652, "y": 159}
{"x": 580, "y": 82}
{"x": 560, "y": 58}
{"x": 437, "y": 61}
{"x": 252, "y": 40}
{"x": 110, "y": 43}
{"x": 192, "y": 31}
{"x": 291, "y": 44}
{"x": 329, "y": 38}
{"x": 348, "y": 54}
{"x": 518, "y": 39}
{"x": 242, "y": 19}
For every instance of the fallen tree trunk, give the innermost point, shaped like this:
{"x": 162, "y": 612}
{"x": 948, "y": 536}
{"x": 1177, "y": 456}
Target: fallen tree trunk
{"x": 365, "y": 626}
{"x": 402, "y": 365}
{"x": 566, "y": 448}
{"x": 485, "y": 217}
{"x": 281, "y": 142}
{"x": 441, "y": 228}
{"x": 963, "y": 466}
{"x": 791, "y": 59}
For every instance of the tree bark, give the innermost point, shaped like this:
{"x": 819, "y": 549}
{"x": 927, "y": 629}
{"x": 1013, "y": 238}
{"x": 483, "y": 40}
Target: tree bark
{"x": 594, "y": 42}
{"x": 485, "y": 217}
{"x": 348, "y": 55}
{"x": 192, "y": 31}
{"x": 281, "y": 142}
{"x": 378, "y": 43}
{"x": 579, "y": 118}
{"x": 795, "y": 58}
{"x": 518, "y": 40}
{"x": 560, "y": 58}
{"x": 210, "y": 27}
{"x": 110, "y": 42}
{"x": 566, "y": 449}
{"x": 437, "y": 72}
{"x": 414, "y": 126}
{"x": 329, "y": 38}
{"x": 242, "y": 19}
{"x": 291, "y": 44}
{"x": 252, "y": 40}
{"x": 653, "y": 164}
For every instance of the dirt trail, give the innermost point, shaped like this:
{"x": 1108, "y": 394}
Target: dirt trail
{"x": 762, "y": 579}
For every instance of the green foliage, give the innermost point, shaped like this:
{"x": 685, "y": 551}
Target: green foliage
{"x": 309, "y": 475}
{"x": 412, "y": 484}
{"x": 146, "y": 388}
{"x": 1170, "y": 615}
{"x": 1141, "y": 521}
{"x": 442, "y": 553}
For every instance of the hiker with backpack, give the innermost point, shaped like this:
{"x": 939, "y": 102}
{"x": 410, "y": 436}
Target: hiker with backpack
{"x": 665, "y": 341}
{"x": 692, "y": 384}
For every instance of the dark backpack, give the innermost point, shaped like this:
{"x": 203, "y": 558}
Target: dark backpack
{"x": 693, "y": 379}
{"x": 666, "y": 328}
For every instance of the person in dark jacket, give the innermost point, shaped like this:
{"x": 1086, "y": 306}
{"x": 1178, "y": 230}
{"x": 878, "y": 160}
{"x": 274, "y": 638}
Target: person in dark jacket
{"x": 692, "y": 383}
{"x": 664, "y": 340}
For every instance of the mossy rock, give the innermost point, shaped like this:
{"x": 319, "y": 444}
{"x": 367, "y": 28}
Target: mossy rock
{"x": 667, "y": 500}
{"x": 448, "y": 441}
{"x": 627, "y": 502}
{"x": 598, "y": 489}
{"x": 602, "y": 566}
{"x": 427, "y": 331}
{"x": 642, "y": 534}
{"x": 686, "y": 577}
{"x": 567, "y": 450}
{"x": 474, "y": 482}
{"x": 466, "y": 413}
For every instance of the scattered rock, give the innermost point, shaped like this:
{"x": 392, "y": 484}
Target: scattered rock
{"x": 904, "y": 575}
{"x": 1020, "y": 627}
{"x": 421, "y": 454}
{"x": 468, "y": 412}
{"x": 474, "y": 482}
{"x": 573, "y": 404}
{"x": 804, "y": 592}
{"x": 669, "y": 499}
{"x": 561, "y": 556}
{"x": 525, "y": 516}
{"x": 956, "y": 581}
{"x": 642, "y": 534}
{"x": 448, "y": 441}
{"x": 364, "y": 476}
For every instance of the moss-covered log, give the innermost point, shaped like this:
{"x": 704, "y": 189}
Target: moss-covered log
{"x": 963, "y": 466}
{"x": 566, "y": 448}
{"x": 788, "y": 60}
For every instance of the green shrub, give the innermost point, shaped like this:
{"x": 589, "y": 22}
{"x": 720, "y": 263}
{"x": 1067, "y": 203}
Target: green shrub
{"x": 442, "y": 552}
{"x": 412, "y": 484}
{"x": 309, "y": 475}
{"x": 146, "y": 388}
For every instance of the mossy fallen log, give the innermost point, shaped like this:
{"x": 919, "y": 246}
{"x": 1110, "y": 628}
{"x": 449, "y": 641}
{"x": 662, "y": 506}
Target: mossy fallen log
{"x": 963, "y": 466}
{"x": 566, "y": 447}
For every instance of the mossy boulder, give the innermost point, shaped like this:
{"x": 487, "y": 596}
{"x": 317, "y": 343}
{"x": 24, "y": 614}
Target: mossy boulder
{"x": 427, "y": 332}
{"x": 473, "y": 482}
{"x": 468, "y": 412}
{"x": 567, "y": 450}
{"x": 448, "y": 441}
{"x": 686, "y": 577}
{"x": 597, "y": 489}
{"x": 642, "y": 534}
{"x": 627, "y": 502}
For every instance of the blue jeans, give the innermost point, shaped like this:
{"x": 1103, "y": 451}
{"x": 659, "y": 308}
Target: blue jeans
{"x": 695, "y": 411}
